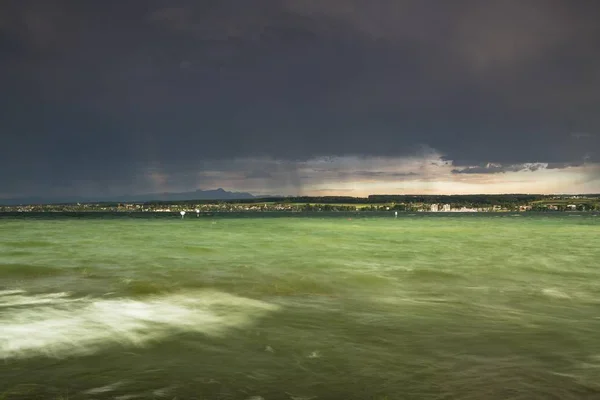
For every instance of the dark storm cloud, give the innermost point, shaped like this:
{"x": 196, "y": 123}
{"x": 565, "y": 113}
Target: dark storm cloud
{"x": 114, "y": 95}
{"x": 258, "y": 174}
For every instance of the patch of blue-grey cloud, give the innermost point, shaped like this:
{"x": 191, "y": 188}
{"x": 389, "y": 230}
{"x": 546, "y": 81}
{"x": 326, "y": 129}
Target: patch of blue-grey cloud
{"x": 492, "y": 168}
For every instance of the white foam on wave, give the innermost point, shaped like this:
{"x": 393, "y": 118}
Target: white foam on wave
{"x": 550, "y": 292}
{"x": 86, "y": 326}
{"x": 13, "y": 298}
{"x": 10, "y": 292}
{"x": 103, "y": 389}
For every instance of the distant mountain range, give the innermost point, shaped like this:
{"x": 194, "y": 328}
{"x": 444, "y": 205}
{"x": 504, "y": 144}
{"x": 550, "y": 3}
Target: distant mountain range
{"x": 217, "y": 194}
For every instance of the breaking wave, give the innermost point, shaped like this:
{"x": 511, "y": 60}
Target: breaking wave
{"x": 57, "y": 326}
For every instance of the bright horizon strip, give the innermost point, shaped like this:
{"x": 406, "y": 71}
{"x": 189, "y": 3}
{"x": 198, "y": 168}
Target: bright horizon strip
{"x": 440, "y": 180}
{"x": 569, "y": 181}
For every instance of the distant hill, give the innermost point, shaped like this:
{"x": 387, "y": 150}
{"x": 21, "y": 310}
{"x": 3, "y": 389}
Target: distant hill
{"x": 216, "y": 194}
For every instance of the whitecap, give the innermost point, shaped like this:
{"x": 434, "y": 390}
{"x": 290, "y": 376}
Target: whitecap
{"x": 87, "y": 325}
{"x": 104, "y": 389}
{"x": 18, "y": 299}
{"x": 10, "y": 292}
{"x": 128, "y": 396}
{"x": 163, "y": 392}
{"x": 294, "y": 397}
{"x": 555, "y": 293}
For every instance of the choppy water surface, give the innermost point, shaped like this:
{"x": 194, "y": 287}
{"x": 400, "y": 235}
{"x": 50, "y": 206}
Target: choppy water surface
{"x": 418, "y": 307}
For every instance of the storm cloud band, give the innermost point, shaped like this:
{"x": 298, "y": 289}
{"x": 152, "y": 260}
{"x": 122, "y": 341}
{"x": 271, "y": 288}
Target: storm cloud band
{"x": 173, "y": 86}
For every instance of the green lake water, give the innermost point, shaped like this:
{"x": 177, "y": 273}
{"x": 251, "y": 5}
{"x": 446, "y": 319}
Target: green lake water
{"x": 423, "y": 306}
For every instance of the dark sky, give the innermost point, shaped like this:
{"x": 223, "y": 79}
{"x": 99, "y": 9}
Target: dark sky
{"x": 292, "y": 96}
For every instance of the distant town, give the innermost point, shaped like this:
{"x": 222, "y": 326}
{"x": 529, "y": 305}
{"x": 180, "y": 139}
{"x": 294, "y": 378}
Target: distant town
{"x": 403, "y": 203}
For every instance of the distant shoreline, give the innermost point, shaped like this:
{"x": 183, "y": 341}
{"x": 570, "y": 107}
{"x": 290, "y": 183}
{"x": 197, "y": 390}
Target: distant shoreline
{"x": 391, "y": 203}
{"x": 192, "y": 213}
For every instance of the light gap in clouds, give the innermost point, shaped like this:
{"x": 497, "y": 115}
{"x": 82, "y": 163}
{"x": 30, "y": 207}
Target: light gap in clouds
{"x": 353, "y": 175}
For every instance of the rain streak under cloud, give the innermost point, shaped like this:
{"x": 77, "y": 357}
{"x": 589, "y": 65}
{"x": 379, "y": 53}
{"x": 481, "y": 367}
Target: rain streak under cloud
{"x": 299, "y": 97}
